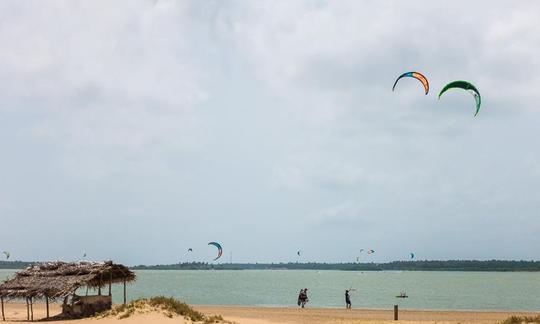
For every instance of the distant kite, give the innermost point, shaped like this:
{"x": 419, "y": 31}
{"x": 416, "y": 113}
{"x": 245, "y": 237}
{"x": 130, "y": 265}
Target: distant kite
{"x": 361, "y": 250}
{"x": 412, "y": 255}
{"x": 220, "y": 250}
{"x": 7, "y": 254}
{"x": 465, "y": 85}
{"x": 416, "y": 75}
{"x": 370, "y": 251}
{"x": 190, "y": 250}
{"x": 84, "y": 255}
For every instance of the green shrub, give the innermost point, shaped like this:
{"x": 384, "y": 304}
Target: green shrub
{"x": 176, "y": 307}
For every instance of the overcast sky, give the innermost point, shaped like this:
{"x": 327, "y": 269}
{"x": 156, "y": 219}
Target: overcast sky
{"x": 134, "y": 130}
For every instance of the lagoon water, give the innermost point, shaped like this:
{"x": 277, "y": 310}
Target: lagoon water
{"x": 426, "y": 290}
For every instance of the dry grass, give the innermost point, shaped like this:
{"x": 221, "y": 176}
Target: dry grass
{"x": 168, "y": 306}
{"x": 522, "y": 320}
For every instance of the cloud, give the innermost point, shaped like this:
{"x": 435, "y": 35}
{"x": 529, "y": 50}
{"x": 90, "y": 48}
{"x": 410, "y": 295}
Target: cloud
{"x": 104, "y": 83}
{"x": 245, "y": 119}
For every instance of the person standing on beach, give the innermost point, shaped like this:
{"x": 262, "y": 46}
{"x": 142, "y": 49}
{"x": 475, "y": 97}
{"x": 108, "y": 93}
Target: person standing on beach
{"x": 302, "y": 298}
{"x": 347, "y": 300}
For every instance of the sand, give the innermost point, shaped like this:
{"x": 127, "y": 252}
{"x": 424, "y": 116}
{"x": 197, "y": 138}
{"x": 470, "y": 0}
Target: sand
{"x": 332, "y": 315}
{"x": 16, "y": 312}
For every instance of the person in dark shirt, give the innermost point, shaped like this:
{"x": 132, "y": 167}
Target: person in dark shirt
{"x": 303, "y": 298}
{"x": 347, "y": 300}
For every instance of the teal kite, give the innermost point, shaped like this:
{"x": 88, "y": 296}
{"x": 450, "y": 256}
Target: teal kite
{"x": 465, "y": 85}
{"x": 220, "y": 249}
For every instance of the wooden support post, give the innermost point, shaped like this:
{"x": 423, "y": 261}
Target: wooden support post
{"x": 31, "y": 309}
{"x": 3, "y": 316}
{"x": 124, "y": 291}
{"x": 86, "y": 290}
{"x": 27, "y": 310}
{"x": 395, "y": 312}
{"x": 110, "y": 284}
{"x": 47, "y": 305}
{"x": 99, "y": 288}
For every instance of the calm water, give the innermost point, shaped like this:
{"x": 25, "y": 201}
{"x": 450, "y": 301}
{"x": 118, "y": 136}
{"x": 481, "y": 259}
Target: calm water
{"x": 426, "y": 290}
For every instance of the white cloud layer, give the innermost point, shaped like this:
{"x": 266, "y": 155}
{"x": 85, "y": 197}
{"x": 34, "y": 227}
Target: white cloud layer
{"x": 269, "y": 126}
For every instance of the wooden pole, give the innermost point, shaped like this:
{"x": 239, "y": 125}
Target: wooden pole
{"x": 395, "y": 312}
{"x": 3, "y": 316}
{"x": 124, "y": 291}
{"x": 31, "y": 309}
{"x": 27, "y": 310}
{"x": 47, "y": 304}
{"x": 110, "y": 284}
{"x": 99, "y": 288}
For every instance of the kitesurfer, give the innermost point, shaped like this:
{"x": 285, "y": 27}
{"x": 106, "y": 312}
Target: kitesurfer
{"x": 347, "y": 300}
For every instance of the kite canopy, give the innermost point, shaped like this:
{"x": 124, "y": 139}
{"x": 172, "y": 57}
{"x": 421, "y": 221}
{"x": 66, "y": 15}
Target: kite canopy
{"x": 298, "y": 253}
{"x": 412, "y": 255}
{"x": 190, "y": 250}
{"x": 416, "y": 75}
{"x": 370, "y": 251}
{"x": 220, "y": 249}
{"x": 465, "y": 85}
{"x": 7, "y": 254}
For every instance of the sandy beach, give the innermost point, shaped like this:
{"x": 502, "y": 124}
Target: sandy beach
{"x": 16, "y": 312}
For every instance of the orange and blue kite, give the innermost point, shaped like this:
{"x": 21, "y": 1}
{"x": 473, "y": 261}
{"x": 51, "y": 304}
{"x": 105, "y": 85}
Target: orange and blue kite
{"x": 416, "y": 75}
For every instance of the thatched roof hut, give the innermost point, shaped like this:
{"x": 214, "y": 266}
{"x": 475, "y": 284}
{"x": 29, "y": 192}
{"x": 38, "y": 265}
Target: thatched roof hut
{"x": 52, "y": 280}
{"x": 59, "y": 279}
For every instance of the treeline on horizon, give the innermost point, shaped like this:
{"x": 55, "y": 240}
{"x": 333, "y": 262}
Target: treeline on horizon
{"x": 449, "y": 265}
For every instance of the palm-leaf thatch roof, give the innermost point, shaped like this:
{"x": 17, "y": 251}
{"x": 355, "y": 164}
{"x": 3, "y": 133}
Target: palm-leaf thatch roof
{"x": 59, "y": 279}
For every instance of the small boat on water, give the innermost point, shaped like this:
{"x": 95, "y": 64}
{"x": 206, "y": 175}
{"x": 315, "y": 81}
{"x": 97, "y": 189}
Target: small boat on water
{"x": 402, "y": 296}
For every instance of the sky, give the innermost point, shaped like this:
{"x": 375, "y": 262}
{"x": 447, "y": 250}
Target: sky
{"x": 134, "y": 130}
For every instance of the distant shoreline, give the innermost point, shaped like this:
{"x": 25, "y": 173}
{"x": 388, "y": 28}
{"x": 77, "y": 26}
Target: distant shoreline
{"x": 424, "y": 265}
{"x": 449, "y": 265}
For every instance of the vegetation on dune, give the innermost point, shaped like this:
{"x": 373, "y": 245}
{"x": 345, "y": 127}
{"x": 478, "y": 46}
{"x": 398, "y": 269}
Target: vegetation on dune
{"x": 522, "y": 320}
{"x": 168, "y": 306}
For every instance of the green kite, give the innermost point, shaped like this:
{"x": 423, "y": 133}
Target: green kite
{"x": 465, "y": 86}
